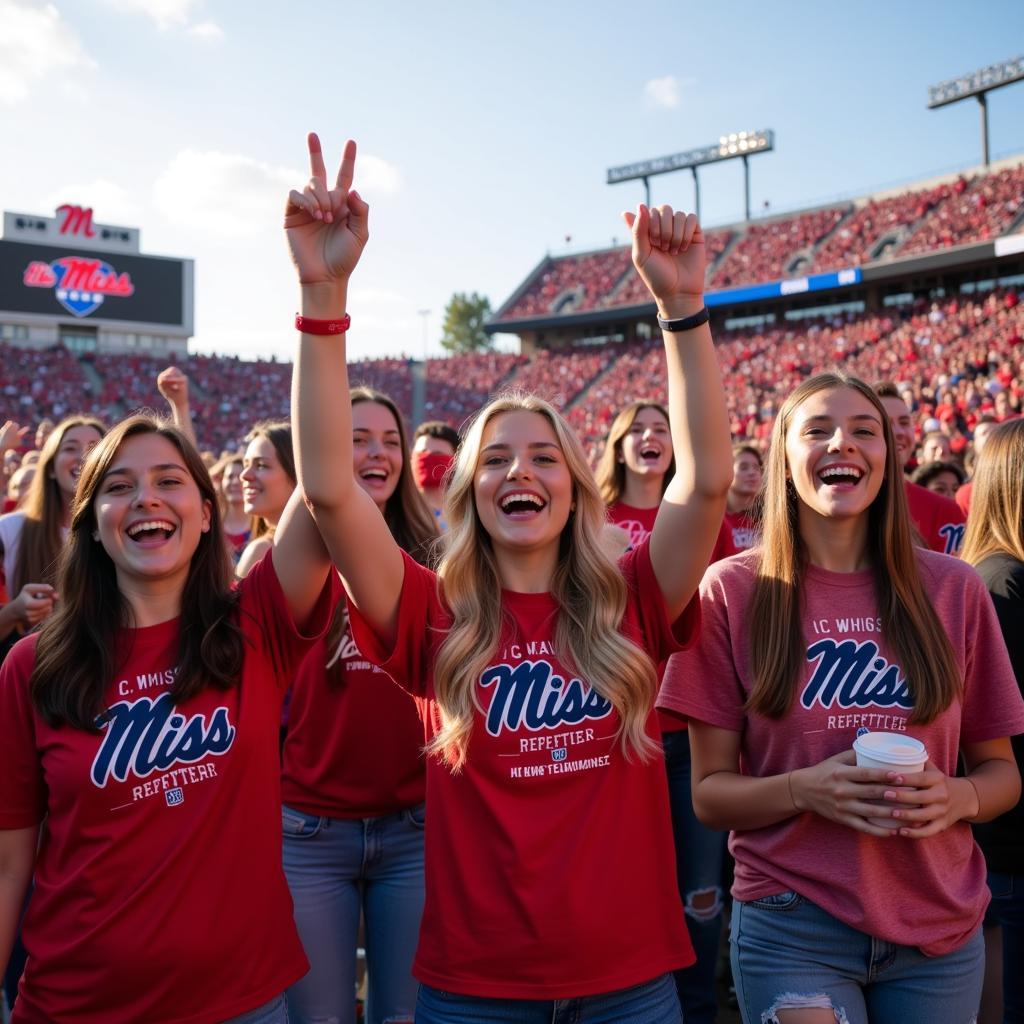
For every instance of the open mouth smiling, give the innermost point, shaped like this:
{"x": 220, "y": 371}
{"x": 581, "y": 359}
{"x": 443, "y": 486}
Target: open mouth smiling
{"x": 151, "y": 530}
{"x": 520, "y": 504}
{"x": 844, "y": 475}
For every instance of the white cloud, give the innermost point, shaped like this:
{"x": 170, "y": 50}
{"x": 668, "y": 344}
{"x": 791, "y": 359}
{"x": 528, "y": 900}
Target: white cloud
{"x": 663, "y": 92}
{"x": 35, "y": 41}
{"x": 227, "y": 194}
{"x": 233, "y": 195}
{"x": 111, "y": 203}
{"x": 206, "y": 30}
{"x": 171, "y": 14}
{"x": 375, "y": 176}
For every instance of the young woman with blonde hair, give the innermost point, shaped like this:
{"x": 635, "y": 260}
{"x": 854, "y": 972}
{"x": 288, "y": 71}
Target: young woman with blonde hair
{"x": 142, "y": 730}
{"x": 859, "y": 891}
{"x": 994, "y": 545}
{"x": 549, "y": 851}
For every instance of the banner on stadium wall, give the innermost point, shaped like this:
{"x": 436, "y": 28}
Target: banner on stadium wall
{"x": 55, "y": 280}
{"x": 780, "y": 289}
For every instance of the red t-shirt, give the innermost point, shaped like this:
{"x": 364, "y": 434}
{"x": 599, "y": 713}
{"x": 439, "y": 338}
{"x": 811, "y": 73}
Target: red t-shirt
{"x": 963, "y": 497}
{"x": 550, "y": 867}
{"x": 929, "y": 893}
{"x": 354, "y": 740}
{"x": 159, "y": 894}
{"x": 940, "y": 522}
{"x": 638, "y": 523}
{"x": 742, "y": 530}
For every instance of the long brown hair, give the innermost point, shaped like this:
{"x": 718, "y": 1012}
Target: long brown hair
{"x": 41, "y": 540}
{"x": 611, "y": 470}
{"x": 75, "y": 652}
{"x": 279, "y": 434}
{"x": 410, "y": 521}
{"x": 996, "y": 523}
{"x": 909, "y": 623}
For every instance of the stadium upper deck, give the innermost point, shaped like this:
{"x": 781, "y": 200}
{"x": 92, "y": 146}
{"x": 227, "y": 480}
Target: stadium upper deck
{"x": 839, "y": 240}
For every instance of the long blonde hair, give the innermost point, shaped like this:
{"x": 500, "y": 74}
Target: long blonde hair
{"x": 996, "y": 523}
{"x": 588, "y": 587}
{"x": 611, "y": 470}
{"x": 910, "y": 624}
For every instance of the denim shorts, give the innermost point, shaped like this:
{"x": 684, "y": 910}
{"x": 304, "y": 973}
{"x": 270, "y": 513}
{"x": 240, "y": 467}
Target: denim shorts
{"x": 789, "y": 953}
{"x": 653, "y": 1002}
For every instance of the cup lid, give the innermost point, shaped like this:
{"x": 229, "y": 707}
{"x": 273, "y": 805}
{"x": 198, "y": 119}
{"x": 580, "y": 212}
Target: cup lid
{"x": 892, "y": 747}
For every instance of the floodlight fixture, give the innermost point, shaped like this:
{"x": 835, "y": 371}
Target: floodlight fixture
{"x": 735, "y": 145}
{"x": 979, "y": 84}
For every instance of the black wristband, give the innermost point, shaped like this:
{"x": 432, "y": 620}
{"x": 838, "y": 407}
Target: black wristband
{"x": 686, "y": 323}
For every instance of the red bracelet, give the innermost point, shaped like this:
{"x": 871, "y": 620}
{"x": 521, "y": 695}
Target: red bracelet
{"x": 308, "y": 325}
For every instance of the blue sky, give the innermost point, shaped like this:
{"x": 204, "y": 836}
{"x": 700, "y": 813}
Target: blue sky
{"x": 485, "y": 129}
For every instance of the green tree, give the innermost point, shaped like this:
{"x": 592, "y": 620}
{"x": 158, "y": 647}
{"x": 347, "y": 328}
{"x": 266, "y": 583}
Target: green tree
{"x": 464, "y": 323}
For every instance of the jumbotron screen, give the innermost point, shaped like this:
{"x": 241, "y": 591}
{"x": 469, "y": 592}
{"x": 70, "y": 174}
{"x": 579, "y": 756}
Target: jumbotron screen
{"x": 87, "y": 284}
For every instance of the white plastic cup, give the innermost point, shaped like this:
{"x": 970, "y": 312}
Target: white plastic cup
{"x": 894, "y": 752}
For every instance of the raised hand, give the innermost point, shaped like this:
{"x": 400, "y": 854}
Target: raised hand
{"x": 668, "y": 253}
{"x": 34, "y": 602}
{"x": 326, "y": 228}
{"x": 173, "y": 385}
{"x": 11, "y": 436}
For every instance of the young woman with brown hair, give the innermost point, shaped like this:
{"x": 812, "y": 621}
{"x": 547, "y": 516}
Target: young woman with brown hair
{"x": 634, "y": 470}
{"x": 837, "y": 625}
{"x": 994, "y": 545}
{"x": 549, "y": 857}
{"x": 353, "y": 778}
{"x": 142, "y": 728}
{"x": 268, "y": 479}
{"x": 32, "y": 537}
{"x": 227, "y": 477}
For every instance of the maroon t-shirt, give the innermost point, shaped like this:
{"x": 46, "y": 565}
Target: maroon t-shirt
{"x": 929, "y": 893}
{"x": 550, "y": 867}
{"x": 159, "y": 894}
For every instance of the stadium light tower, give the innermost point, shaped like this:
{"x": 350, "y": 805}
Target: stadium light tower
{"x": 978, "y": 83}
{"x": 737, "y": 145}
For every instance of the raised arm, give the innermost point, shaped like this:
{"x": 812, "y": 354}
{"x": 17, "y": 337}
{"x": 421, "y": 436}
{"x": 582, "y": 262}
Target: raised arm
{"x": 173, "y": 385}
{"x": 668, "y": 252}
{"x": 327, "y": 230}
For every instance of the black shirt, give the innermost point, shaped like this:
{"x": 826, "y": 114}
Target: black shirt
{"x": 1002, "y": 840}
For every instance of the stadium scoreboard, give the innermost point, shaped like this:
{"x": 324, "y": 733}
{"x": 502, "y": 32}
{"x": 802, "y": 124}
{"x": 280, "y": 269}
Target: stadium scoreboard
{"x": 65, "y": 279}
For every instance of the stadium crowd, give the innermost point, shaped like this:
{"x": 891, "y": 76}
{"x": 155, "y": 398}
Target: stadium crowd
{"x": 742, "y": 616}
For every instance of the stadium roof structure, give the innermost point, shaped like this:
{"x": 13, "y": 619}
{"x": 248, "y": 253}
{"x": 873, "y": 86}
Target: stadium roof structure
{"x": 589, "y": 289}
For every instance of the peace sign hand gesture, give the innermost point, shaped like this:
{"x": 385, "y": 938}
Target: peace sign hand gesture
{"x": 326, "y": 228}
{"x": 668, "y": 253}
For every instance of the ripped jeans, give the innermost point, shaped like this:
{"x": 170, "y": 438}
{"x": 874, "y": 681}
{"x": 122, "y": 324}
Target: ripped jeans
{"x": 789, "y": 953}
{"x": 699, "y": 852}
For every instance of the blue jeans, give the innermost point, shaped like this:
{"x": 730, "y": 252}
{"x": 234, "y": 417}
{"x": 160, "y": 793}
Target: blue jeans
{"x": 789, "y": 953}
{"x": 699, "y": 852}
{"x": 1007, "y": 911}
{"x": 274, "y": 1012}
{"x": 338, "y": 869}
{"x": 653, "y": 1002}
